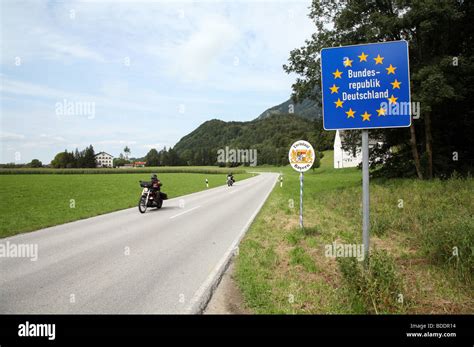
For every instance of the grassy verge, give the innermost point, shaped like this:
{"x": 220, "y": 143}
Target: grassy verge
{"x": 30, "y": 202}
{"x": 417, "y": 229}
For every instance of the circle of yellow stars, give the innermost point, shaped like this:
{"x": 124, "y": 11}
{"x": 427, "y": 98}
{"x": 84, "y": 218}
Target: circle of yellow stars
{"x": 363, "y": 58}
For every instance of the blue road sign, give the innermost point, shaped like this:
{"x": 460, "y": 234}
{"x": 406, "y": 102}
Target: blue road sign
{"x": 366, "y": 86}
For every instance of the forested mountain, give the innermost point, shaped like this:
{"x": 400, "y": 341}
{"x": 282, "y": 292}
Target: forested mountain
{"x": 307, "y": 108}
{"x": 271, "y": 136}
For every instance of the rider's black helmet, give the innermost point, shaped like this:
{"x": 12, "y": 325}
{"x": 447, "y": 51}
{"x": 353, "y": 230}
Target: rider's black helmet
{"x": 154, "y": 177}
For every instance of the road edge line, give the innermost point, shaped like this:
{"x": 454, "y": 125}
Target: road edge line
{"x": 203, "y": 295}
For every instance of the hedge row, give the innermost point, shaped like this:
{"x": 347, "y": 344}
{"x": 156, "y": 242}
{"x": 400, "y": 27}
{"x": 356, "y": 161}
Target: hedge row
{"x": 120, "y": 171}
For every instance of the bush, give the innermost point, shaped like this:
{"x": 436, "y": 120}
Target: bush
{"x": 376, "y": 288}
{"x": 451, "y": 245}
{"x": 35, "y": 163}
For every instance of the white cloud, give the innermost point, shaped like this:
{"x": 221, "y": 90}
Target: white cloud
{"x": 193, "y": 57}
{"x": 41, "y": 141}
{"x": 75, "y": 51}
{"x": 155, "y": 145}
{"x": 7, "y": 136}
{"x": 117, "y": 142}
{"x": 53, "y": 137}
{"x": 113, "y": 94}
{"x": 31, "y": 32}
{"x": 27, "y": 89}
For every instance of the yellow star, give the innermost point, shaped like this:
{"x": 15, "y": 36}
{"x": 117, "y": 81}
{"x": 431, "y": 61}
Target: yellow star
{"x": 390, "y": 69}
{"x": 339, "y": 103}
{"x": 366, "y": 116}
{"x": 337, "y": 74}
{"x": 392, "y": 99}
{"x": 350, "y": 113}
{"x": 363, "y": 57}
{"x": 348, "y": 62}
{"x": 378, "y": 60}
{"x": 381, "y": 111}
{"x": 334, "y": 89}
{"x": 395, "y": 84}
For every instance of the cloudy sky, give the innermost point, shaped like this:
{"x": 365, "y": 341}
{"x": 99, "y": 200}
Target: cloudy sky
{"x": 138, "y": 73}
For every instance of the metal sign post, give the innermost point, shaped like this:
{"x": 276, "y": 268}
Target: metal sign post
{"x": 365, "y": 193}
{"x": 301, "y": 157}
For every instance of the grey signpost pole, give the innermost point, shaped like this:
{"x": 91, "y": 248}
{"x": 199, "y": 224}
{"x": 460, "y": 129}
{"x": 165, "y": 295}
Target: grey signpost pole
{"x": 365, "y": 193}
{"x": 301, "y": 200}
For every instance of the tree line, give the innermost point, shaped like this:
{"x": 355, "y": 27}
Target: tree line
{"x": 163, "y": 157}
{"x": 35, "y": 163}
{"x": 75, "y": 159}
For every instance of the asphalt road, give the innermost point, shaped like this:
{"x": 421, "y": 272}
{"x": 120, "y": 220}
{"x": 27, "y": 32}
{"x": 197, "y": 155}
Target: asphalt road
{"x": 164, "y": 261}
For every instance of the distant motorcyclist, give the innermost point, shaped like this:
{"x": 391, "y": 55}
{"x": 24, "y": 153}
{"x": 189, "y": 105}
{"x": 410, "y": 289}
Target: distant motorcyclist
{"x": 230, "y": 179}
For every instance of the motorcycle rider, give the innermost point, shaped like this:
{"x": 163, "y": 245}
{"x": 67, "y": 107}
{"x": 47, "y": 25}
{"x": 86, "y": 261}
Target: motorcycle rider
{"x": 151, "y": 195}
{"x": 155, "y": 184}
{"x": 231, "y": 176}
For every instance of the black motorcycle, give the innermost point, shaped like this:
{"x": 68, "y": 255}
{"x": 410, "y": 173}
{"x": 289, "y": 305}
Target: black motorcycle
{"x": 150, "y": 197}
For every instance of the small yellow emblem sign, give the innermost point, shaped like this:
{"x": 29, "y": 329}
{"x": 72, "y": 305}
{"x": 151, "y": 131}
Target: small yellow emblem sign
{"x": 301, "y": 156}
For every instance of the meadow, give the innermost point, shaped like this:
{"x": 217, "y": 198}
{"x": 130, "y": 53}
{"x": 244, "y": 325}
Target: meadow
{"x": 422, "y": 237}
{"x": 35, "y": 201}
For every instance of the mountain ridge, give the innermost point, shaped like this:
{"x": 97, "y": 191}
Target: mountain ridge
{"x": 271, "y": 134}
{"x": 307, "y": 108}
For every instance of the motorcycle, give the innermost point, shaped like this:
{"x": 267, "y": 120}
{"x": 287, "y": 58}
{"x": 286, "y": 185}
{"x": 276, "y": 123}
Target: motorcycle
{"x": 230, "y": 181}
{"x": 150, "y": 197}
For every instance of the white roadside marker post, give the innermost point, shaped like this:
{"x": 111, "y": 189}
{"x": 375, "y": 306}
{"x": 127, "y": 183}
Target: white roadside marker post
{"x": 301, "y": 157}
{"x": 301, "y": 199}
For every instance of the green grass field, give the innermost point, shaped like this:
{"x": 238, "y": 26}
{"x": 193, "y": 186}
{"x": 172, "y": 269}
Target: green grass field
{"x": 30, "y": 202}
{"x": 415, "y": 226}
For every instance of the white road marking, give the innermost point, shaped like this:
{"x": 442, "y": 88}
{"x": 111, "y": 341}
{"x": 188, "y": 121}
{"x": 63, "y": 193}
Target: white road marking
{"x": 179, "y": 214}
{"x": 198, "y": 301}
